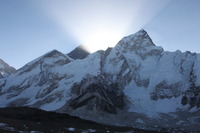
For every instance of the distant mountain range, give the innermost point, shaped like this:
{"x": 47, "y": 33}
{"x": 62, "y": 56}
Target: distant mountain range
{"x": 136, "y": 84}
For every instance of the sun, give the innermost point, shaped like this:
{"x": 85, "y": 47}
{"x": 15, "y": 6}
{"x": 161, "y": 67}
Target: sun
{"x": 101, "y": 40}
{"x": 101, "y": 24}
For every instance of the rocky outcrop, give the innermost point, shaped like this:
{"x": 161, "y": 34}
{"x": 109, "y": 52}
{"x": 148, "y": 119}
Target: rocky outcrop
{"x": 100, "y": 97}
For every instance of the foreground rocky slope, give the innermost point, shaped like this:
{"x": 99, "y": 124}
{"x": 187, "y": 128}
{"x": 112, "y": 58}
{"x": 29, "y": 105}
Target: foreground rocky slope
{"x": 136, "y": 83}
{"x": 28, "y": 120}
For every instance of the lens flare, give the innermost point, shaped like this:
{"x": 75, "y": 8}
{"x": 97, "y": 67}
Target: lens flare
{"x": 101, "y": 40}
{"x": 101, "y": 24}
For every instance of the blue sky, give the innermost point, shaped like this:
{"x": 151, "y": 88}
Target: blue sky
{"x": 30, "y": 28}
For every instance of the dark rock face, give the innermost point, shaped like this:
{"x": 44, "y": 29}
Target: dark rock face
{"x": 192, "y": 95}
{"x": 163, "y": 90}
{"x": 104, "y": 98}
{"x": 78, "y": 53}
{"x": 1, "y": 76}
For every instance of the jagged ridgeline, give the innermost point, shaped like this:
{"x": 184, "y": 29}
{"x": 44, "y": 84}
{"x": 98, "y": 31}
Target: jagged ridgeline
{"x": 136, "y": 83}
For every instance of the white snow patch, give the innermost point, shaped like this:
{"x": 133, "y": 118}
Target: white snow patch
{"x": 91, "y": 130}
{"x": 71, "y": 129}
{"x": 138, "y": 120}
{"x": 6, "y": 127}
{"x": 36, "y": 132}
{"x": 3, "y": 124}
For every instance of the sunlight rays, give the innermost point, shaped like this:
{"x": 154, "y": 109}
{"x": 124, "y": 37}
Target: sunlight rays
{"x": 101, "y": 24}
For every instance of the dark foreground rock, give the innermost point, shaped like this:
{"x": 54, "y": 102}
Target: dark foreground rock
{"x": 25, "y": 119}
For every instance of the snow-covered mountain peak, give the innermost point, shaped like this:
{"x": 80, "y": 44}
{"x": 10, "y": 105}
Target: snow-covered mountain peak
{"x": 139, "y": 43}
{"x": 3, "y": 64}
{"x": 51, "y": 58}
{"x": 5, "y": 69}
{"x": 141, "y": 32}
{"x": 54, "y": 54}
{"x": 139, "y": 38}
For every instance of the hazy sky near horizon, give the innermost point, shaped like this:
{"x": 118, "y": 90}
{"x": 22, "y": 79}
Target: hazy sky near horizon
{"x": 30, "y": 28}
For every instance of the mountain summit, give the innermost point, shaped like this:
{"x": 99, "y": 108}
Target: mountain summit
{"x": 5, "y": 69}
{"x": 79, "y": 53}
{"x": 136, "y": 83}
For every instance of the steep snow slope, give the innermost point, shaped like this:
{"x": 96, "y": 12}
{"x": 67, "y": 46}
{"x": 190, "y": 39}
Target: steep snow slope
{"x": 135, "y": 83}
{"x": 5, "y": 69}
